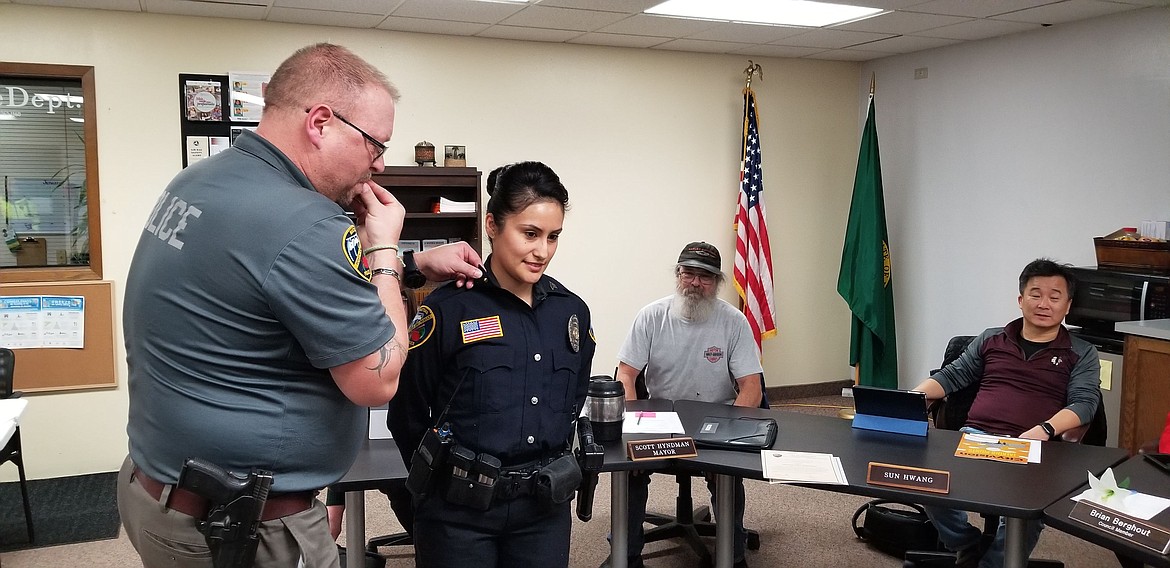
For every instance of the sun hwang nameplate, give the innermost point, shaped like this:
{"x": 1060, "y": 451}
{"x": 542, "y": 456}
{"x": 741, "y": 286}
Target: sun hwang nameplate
{"x": 932, "y": 480}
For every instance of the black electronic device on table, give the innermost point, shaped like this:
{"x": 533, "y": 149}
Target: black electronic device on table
{"x": 1162, "y": 461}
{"x": 890, "y": 410}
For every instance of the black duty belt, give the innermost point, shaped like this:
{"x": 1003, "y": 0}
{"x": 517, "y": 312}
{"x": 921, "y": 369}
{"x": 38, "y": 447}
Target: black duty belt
{"x": 520, "y": 481}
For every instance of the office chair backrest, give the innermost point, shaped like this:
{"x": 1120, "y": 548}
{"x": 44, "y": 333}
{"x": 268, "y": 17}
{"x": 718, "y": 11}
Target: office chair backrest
{"x": 7, "y": 368}
{"x": 953, "y": 414}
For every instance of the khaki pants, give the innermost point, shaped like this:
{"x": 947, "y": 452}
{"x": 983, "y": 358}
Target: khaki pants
{"x": 168, "y": 539}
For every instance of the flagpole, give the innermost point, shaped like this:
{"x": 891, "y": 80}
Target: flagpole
{"x": 872, "y": 83}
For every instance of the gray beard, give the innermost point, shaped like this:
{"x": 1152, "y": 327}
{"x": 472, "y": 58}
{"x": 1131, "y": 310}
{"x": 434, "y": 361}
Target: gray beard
{"x": 693, "y": 307}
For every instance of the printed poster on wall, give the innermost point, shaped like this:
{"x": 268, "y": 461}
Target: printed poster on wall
{"x": 37, "y": 322}
{"x": 247, "y": 96}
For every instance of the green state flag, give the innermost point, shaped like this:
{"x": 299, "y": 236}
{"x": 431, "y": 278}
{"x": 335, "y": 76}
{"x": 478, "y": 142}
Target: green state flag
{"x": 865, "y": 280}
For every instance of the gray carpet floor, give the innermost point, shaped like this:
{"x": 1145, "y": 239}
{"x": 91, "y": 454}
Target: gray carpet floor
{"x": 798, "y": 527}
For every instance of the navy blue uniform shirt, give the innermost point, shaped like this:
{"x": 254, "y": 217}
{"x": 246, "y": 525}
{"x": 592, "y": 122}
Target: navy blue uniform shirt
{"x": 515, "y": 375}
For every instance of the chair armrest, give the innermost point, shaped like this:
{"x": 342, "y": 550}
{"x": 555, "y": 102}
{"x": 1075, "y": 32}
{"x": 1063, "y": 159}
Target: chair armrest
{"x": 1074, "y": 435}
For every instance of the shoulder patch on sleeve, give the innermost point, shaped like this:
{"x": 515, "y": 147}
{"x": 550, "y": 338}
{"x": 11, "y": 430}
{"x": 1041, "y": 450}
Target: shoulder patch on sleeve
{"x": 351, "y": 247}
{"x": 422, "y": 327}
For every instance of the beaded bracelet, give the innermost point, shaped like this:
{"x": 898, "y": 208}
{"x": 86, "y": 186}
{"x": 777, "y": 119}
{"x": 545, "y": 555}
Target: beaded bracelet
{"x": 377, "y": 248}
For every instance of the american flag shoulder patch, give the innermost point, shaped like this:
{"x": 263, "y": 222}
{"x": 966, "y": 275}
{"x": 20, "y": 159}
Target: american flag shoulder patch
{"x": 481, "y": 328}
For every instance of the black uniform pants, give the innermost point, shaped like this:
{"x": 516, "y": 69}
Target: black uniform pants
{"x": 512, "y": 534}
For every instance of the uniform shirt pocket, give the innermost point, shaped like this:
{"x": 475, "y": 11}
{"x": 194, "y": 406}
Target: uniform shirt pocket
{"x": 489, "y": 368}
{"x": 562, "y": 386}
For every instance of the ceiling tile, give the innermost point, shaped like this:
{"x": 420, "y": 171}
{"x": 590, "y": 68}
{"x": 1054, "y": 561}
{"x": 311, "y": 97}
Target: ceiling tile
{"x": 562, "y": 18}
{"x": 887, "y": 4}
{"x": 661, "y": 26}
{"x": 622, "y": 6}
{"x": 979, "y": 29}
{"x": 831, "y": 38}
{"x": 901, "y": 23}
{"x": 322, "y": 18}
{"x": 457, "y": 10}
{"x": 701, "y": 46}
{"x": 618, "y": 40}
{"x": 124, "y": 5}
{"x": 907, "y": 44}
{"x": 848, "y": 55}
{"x": 1069, "y": 11}
{"x": 424, "y": 26}
{"x": 746, "y": 33}
{"x": 777, "y": 51}
{"x": 381, "y": 7}
{"x": 528, "y": 34}
{"x": 205, "y": 9}
{"x": 975, "y": 9}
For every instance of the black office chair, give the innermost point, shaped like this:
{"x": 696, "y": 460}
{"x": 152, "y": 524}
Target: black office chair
{"x": 12, "y": 451}
{"x": 689, "y": 523}
{"x": 950, "y": 413}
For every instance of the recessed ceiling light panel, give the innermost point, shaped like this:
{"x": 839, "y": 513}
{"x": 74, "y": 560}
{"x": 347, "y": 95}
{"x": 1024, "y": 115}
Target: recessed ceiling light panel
{"x": 773, "y": 12}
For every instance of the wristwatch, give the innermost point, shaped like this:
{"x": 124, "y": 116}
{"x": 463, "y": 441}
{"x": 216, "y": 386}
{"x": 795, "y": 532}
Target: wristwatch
{"x": 1048, "y": 429}
{"x": 412, "y": 277}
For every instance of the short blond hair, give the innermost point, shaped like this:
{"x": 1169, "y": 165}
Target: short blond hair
{"x": 323, "y": 73}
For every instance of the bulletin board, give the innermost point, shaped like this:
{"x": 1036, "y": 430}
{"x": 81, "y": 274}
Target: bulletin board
{"x": 42, "y": 370}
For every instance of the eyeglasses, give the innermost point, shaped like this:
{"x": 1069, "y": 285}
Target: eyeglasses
{"x": 689, "y": 277}
{"x": 379, "y": 147}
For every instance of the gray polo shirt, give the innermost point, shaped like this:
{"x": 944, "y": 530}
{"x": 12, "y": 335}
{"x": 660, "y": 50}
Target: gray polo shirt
{"x": 246, "y": 287}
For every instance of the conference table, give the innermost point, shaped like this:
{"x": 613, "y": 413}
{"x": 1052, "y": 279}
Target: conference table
{"x": 11, "y": 409}
{"x": 378, "y": 461}
{"x": 1016, "y": 492}
{"x": 1144, "y": 477}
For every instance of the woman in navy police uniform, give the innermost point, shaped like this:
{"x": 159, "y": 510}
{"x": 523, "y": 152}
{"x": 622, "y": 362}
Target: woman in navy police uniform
{"x": 506, "y": 365}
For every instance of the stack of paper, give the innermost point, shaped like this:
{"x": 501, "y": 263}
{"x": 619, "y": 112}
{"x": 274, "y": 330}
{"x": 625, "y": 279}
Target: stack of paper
{"x": 781, "y": 466}
{"x": 449, "y": 206}
{"x": 642, "y": 422}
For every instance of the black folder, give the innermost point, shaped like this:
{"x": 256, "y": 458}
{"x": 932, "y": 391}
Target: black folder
{"x": 743, "y": 433}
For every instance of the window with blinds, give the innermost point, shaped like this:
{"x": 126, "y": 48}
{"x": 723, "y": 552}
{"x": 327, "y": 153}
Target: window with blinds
{"x": 45, "y": 167}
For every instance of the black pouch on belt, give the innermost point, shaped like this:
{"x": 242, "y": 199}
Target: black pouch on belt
{"x": 557, "y": 482}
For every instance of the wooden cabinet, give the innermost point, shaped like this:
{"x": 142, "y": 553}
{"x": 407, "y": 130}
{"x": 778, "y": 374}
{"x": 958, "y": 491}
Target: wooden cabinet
{"x": 1145, "y": 394}
{"x": 419, "y": 188}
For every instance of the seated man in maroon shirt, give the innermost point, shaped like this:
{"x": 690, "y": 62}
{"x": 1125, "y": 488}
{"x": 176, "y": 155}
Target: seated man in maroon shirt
{"x": 1035, "y": 381}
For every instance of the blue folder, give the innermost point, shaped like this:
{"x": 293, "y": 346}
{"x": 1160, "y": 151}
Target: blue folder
{"x": 890, "y": 410}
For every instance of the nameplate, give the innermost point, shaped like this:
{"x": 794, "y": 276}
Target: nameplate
{"x": 905, "y": 477}
{"x": 1122, "y": 526}
{"x": 665, "y": 448}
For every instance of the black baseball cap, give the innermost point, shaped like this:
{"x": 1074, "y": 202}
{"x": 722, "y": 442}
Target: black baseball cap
{"x": 701, "y": 255}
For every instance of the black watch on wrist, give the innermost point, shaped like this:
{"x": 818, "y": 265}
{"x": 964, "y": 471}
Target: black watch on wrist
{"x": 412, "y": 277}
{"x": 1048, "y": 429}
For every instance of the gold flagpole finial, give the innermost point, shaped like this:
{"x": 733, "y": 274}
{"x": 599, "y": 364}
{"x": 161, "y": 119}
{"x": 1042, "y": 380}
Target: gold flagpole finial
{"x": 752, "y": 69}
{"x": 872, "y": 83}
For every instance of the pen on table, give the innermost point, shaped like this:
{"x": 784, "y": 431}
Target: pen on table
{"x": 639, "y": 421}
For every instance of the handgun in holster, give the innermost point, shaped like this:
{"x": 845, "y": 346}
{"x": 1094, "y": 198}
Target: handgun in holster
{"x": 590, "y": 455}
{"x": 235, "y": 503}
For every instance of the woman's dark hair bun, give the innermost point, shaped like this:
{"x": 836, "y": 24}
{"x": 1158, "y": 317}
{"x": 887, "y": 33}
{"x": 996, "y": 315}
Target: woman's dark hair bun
{"x": 493, "y": 179}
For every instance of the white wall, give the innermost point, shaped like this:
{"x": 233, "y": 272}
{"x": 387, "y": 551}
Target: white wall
{"x": 1013, "y": 148}
{"x": 646, "y": 141}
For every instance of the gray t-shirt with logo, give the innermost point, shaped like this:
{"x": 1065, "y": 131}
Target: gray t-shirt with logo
{"x": 691, "y": 361}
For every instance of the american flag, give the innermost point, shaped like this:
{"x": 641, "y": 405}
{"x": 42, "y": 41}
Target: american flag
{"x": 482, "y": 328}
{"x": 753, "y": 253}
